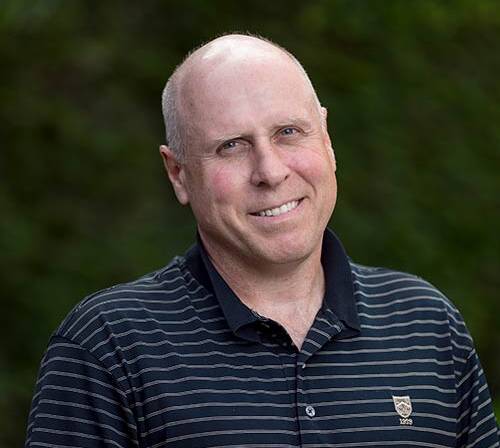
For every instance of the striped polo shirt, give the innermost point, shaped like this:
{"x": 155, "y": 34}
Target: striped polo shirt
{"x": 175, "y": 359}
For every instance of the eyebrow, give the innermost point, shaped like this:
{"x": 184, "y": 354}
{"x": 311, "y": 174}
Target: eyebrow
{"x": 294, "y": 121}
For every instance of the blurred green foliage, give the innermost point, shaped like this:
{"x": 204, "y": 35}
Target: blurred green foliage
{"x": 413, "y": 96}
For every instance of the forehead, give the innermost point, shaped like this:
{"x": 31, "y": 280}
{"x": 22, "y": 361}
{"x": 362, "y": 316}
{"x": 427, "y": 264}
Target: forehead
{"x": 230, "y": 94}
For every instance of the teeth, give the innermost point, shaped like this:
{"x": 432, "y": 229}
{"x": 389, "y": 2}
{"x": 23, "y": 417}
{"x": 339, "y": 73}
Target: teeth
{"x": 285, "y": 208}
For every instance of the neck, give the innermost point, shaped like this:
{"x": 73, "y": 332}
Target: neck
{"x": 289, "y": 294}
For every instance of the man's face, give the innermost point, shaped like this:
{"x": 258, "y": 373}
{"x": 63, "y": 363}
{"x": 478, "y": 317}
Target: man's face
{"x": 259, "y": 172}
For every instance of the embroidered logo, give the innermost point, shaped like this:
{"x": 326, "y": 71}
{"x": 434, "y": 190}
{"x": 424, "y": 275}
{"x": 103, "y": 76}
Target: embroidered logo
{"x": 403, "y": 408}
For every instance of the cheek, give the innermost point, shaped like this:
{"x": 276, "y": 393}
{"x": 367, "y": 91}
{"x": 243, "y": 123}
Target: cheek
{"x": 316, "y": 167}
{"x": 225, "y": 185}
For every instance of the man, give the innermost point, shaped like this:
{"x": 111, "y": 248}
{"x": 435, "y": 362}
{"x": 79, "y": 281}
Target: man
{"x": 264, "y": 334}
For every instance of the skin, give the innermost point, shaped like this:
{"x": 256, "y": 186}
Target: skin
{"x": 258, "y": 139}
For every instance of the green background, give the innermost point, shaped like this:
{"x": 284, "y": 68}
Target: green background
{"x": 413, "y": 93}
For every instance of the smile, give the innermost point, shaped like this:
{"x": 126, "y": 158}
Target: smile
{"x": 277, "y": 211}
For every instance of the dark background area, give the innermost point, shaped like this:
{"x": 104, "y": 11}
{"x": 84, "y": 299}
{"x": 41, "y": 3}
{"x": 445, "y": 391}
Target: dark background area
{"x": 413, "y": 93}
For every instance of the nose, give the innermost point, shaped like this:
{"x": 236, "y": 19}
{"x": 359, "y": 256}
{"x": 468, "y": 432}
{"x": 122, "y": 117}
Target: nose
{"x": 270, "y": 168}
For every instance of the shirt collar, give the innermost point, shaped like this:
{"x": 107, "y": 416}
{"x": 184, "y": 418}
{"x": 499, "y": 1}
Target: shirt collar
{"x": 339, "y": 287}
{"x": 237, "y": 314}
{"x": 339, "y": 290}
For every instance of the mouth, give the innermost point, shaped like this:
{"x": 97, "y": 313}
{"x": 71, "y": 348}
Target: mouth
{"x": 278, "y": 210}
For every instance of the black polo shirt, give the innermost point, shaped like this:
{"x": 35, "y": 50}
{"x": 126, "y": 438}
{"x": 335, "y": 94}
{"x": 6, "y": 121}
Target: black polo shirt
{"x": 175, "y": 359}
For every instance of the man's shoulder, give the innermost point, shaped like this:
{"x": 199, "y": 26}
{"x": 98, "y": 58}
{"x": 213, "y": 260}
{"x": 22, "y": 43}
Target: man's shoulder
{"x": 166, "y": 287}
{"x": 404, "y": 309}
{"x": 380, "y": 287}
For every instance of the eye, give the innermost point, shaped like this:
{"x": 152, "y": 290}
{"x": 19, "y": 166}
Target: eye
{"x": 234, "y": 146}
{"x": 288, "y": 131}
{"x": 228, "y": 146}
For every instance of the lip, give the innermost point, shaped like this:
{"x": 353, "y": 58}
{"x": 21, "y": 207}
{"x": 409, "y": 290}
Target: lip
{"x": 255, "y": 214}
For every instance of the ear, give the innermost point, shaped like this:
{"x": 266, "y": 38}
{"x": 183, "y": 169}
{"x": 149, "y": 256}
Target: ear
{"x": 176, "y": 173}
{"x": 328, "y": 142}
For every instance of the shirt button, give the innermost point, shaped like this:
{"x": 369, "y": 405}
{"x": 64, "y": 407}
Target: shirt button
{"x": 310, "y": 411}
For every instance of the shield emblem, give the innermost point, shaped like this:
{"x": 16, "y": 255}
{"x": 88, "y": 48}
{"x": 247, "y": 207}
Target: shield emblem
{"x": 402, "y": 405}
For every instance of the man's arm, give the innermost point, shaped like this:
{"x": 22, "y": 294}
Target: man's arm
{"x": 77, "y": 403}
{"x": 476, "y": 426}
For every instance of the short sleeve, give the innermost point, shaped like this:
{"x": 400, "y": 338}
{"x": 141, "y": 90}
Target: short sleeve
{"x": 77, "y": 402}
{"x": 476, "y": 426}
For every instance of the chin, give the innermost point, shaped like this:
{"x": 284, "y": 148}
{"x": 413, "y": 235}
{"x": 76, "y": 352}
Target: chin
{"x": 286, "y": 253}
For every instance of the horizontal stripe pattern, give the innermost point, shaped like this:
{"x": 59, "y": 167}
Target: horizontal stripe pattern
{"x": 153, "y": 363}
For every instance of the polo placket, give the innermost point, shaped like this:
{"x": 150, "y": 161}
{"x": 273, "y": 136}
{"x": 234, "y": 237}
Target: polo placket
{"x": 325, "y": 328}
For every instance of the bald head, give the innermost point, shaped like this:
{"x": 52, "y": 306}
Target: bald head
{"x": 199, "y": 72}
